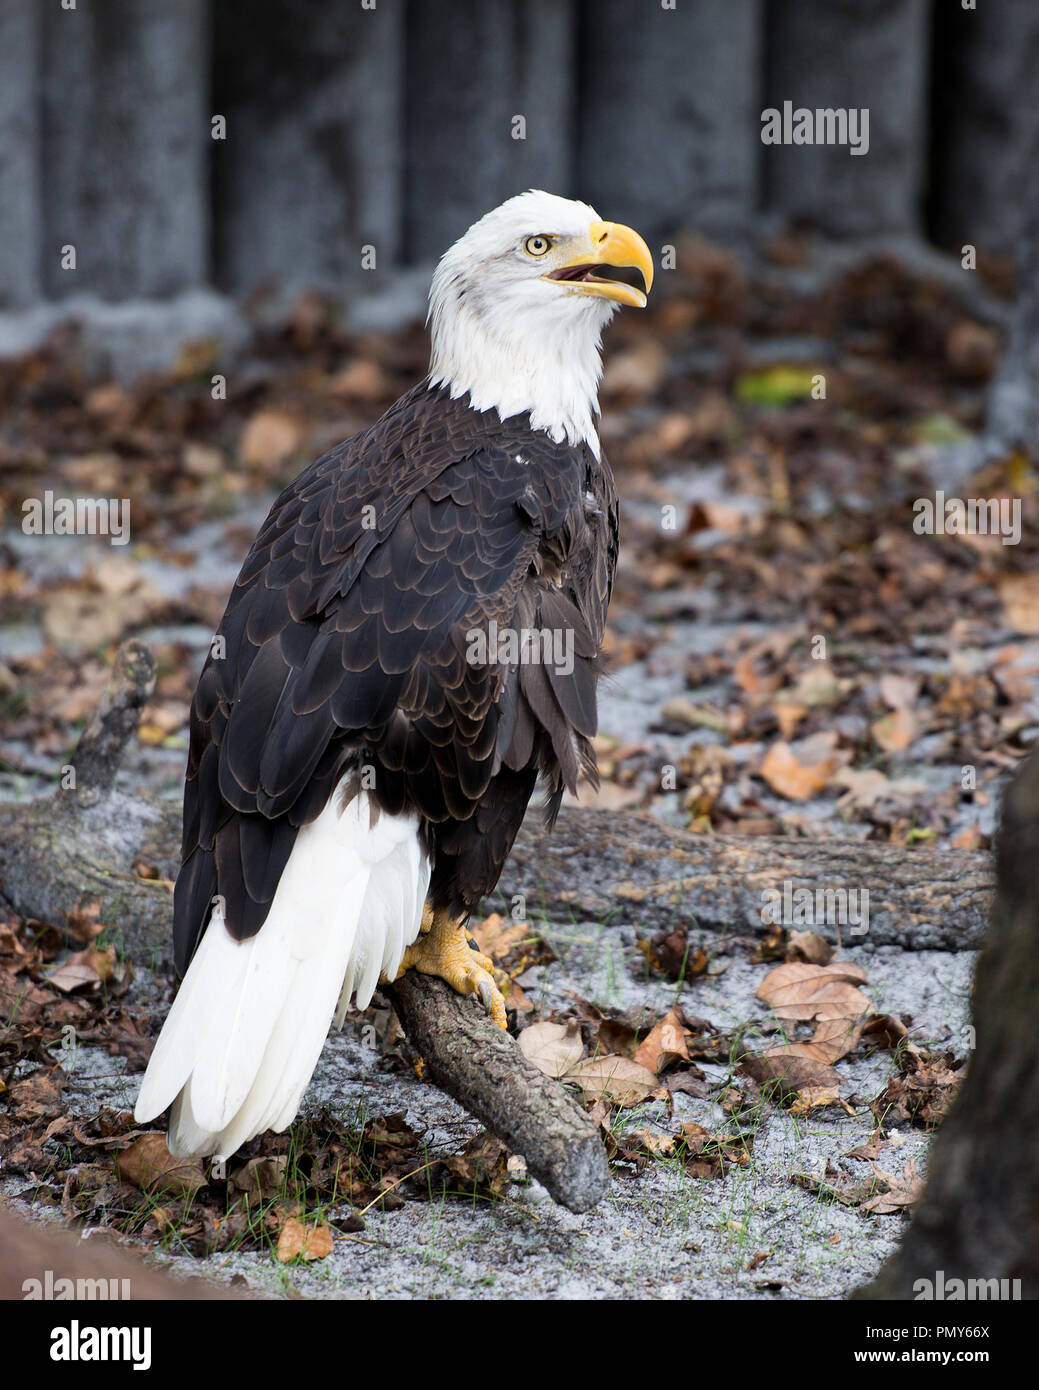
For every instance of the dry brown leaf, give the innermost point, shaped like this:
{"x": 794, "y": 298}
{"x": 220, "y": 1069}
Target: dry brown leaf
{"x": 497, "y": 935}
{"x": 685, "y": 714}
{"x": 115, "y": 575}
{"x": 870, "y": 1150}
{"x": 299, "y": 1242}
{"x": 788, "y": 716}
{"x": 203, "y": 460}
{"x": 608, "y": 796}
{"x": 711, "y": 1155}
{"x": 260, "y": 1178}
{"x": 148, "y": 1164}
{"x": 867, "y": 786}
{"x": 889, "y": 1031}
{"x": 554, "y": 1048}
{"x": 362, "y": 379}
{"x": 787, "y": 775}
{"x": 1020, "y": 597}
{"x": 815, "y": 1098}
{"x": 895, "y": 731}
{"x": 970, "y": 837}
{"x": 903, "y": 1189}
{"x": 635, "y": 371}
{"x": 899, "y": 692}
{"x": 37, "y": 1097}
{"x": 715, "y": 516}
{"x": 750, "y": 681}
{"x": 922, "y": 1094}
{"x": 618, "y": 1080}
{"x": 788, "y": 1074}
{"x": 798, "y": 990}
{"x": 84, "y": 921}
{"x": 82, "y": 620}
{"x": 809, "y": 946}
{"x": 517, "y": 1000}
{"x": 827, "y": 993}
{"x": 832, "y": 1039}
{"x": 160, "y": 719}
{"x": 664, "y": 1044}
{"x": 270, "y": 437}
{"x": 87, "y": 967}
{"x": 817, "y": 686}
{"x": 482, "y": 1166}
{"x": 659, "y": 1145}
{"x": 836, "y": 1186}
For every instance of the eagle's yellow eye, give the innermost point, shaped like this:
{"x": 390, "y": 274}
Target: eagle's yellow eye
{"x": 536, "y": 245}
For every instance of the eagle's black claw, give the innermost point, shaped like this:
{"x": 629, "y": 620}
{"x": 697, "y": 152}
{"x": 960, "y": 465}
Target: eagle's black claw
{"x": 485, "y": 994}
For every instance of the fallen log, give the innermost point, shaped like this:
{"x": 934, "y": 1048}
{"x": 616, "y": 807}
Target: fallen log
{"x": 622, "y": 867}
{"x": 81, "y": 845}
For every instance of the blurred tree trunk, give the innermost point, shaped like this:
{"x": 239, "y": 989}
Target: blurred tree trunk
{"x": 978, "y": 1217}
{"x": 847, "y": 54}
{"x": 1013, "y": 407}
{"x": 31, "y": 1252}
{"x": 21, "y": 211}
{"x": 982, "y": 125}
{"x": 669, "y": 118}
{"x": 124, "y": 88}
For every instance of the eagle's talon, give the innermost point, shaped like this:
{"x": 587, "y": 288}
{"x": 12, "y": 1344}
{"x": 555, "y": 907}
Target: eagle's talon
{"x": 443, "y": 950}
{"x": 493, "y": 1001}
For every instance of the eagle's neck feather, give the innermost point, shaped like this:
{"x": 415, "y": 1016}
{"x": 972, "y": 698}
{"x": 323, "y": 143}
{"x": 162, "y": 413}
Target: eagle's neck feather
{"x": 550, "y": 370}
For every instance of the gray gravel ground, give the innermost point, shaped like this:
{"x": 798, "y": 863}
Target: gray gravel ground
{"x": 658, "y": 1235}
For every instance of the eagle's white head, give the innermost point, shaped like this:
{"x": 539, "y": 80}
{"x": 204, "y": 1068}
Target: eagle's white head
{"x": 518, "y": 305}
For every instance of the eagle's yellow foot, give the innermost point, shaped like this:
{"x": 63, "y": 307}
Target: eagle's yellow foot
{"x": 443, "y": 949}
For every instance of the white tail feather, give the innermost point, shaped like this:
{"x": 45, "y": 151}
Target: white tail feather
{"x": 245, "y": 1032}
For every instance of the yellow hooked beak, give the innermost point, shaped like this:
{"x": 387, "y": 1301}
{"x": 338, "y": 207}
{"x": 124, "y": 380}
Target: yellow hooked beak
{"x": 599, "y": 268}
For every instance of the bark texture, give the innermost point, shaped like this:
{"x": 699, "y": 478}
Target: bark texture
{"x": 484, "y": 1070}
{"x": 1013, "y": 404}
{"x": 81, "y": 845}
{"x": 619, "y": 866}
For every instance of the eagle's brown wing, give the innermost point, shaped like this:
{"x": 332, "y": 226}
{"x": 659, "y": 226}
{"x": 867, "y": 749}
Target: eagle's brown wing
{"x": 346, "y": 640}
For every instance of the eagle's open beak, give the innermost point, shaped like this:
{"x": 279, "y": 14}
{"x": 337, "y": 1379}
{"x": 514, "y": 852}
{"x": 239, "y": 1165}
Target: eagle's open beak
{"x": 615, "y": 265}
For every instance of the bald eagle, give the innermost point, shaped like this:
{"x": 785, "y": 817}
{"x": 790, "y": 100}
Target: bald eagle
{"x": 412, "y": 641}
